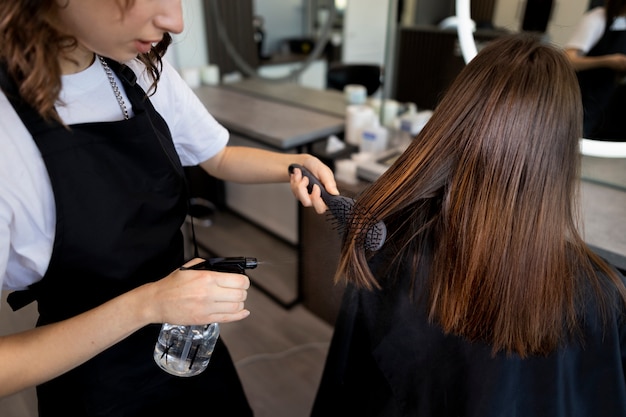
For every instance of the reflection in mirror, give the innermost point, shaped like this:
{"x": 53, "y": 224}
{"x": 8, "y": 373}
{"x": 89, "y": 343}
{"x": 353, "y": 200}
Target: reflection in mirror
{"x": 603, "y": 161}
{"x": 597, "y": 49}
{"x": 234, "y": 51}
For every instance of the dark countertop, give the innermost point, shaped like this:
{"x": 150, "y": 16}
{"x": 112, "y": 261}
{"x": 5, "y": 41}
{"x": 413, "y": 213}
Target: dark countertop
{"x": 268, "y": 121}
{"x": 331, "y": 102}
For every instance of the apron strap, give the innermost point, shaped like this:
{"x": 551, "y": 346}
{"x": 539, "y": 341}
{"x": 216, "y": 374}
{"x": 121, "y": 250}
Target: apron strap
{"x": 21, "y": 298}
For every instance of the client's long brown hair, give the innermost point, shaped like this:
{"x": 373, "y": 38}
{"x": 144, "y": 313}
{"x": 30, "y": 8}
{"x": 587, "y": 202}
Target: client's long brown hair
{"x": 484, "y": 199}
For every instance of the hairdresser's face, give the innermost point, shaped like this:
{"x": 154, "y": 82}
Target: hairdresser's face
{"x": 103, "y": 27}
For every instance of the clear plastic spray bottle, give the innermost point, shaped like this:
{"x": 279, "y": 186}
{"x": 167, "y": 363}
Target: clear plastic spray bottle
{"x": 185, "y": 350}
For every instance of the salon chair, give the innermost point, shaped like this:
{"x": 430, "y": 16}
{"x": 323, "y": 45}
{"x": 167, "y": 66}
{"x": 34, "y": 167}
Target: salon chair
{"x": 367, "y": 75}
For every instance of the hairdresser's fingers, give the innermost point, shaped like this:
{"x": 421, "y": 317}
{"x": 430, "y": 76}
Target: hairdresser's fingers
{"x": 193, "y": 262}
{"x": 327, "y": 178}
{"x": 240, "y": 314}
{"x": 316, "y": 200}
{"x": 231, "y": 281}
{"x": 323, "y": 173}
{"x": 230, "y": 295}
{"x": 299, "y": 184}
{"x": 193, "y": 296}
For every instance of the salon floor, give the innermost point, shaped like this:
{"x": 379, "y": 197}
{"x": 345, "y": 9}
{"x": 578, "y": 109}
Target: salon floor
{"x": 280, "y": 352}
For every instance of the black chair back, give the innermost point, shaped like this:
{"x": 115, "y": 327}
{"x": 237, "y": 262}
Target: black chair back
{"x": 367, "y": 75}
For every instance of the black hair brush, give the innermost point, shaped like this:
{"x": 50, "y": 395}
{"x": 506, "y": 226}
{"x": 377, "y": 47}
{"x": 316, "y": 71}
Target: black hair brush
{"x": 341, "y": 208}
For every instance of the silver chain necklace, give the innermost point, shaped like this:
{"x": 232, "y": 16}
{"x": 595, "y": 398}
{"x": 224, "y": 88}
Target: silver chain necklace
{"x": 114, "y": 86}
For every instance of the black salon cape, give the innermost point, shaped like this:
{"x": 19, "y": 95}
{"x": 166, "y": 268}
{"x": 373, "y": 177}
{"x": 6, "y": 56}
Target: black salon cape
{"x": 386, "y": 360}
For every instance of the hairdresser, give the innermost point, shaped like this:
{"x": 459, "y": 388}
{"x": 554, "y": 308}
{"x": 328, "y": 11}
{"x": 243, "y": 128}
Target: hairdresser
{"x": 95, "y": 127}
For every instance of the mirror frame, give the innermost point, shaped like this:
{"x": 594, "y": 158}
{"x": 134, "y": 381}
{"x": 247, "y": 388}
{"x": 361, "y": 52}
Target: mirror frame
{"x": 597, "y": 148}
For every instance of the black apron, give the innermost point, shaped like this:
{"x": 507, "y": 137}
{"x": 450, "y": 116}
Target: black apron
{"x": 604, "y": 98}
{"x": 121, "y": 199}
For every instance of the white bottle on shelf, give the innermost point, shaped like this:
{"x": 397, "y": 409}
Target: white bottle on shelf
{"x": 409, "y": 125}
{"x": 373, "y": 138}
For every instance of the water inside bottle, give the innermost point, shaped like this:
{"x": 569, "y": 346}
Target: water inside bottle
{"x": 185, "y": 350}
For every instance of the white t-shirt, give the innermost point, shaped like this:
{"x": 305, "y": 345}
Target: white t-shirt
{"x": 27, "y": 210}
{"x": 591, "y": 28}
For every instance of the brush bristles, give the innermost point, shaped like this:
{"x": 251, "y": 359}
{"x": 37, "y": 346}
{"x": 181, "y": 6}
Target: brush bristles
{"x": 371, "y": 234}
{"x": 341, "y": 209}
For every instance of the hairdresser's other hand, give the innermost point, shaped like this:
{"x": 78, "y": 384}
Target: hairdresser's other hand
{"x": 616, "y": 62}
{"x": 581, "y": 62}
{"x": 199, "y": 297}
{"x": 299, "y": 184}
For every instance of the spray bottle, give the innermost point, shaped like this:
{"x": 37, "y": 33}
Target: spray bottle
{"x": 186, "y": 350}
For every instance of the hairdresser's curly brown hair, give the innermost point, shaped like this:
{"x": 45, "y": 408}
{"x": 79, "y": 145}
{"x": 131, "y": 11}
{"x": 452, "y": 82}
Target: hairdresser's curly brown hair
{"x": 32, "y": 42}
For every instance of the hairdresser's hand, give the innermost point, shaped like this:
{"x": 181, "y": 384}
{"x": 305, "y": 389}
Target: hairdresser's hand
{"x": 582, "y": 62}
{"x": 616, "y": 62}
{"x": 299, "y": 184}
{"x": 183, "y": 297}
{"x": 200, "y": 297}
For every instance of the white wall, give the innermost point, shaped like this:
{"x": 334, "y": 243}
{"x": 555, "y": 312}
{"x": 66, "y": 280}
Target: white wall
{"x": 365, "y": 31}
{"x": 565, "y": 15}
{"x": 189, "y": 48}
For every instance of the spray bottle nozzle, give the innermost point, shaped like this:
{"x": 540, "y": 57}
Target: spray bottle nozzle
{"x": 235, "y": 264}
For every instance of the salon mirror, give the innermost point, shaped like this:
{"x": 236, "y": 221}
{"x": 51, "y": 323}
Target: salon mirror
{"x": 603, "y": 161}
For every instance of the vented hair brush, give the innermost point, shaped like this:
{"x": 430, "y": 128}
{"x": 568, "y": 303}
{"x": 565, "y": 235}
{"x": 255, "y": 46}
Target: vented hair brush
{"x": 341, "y": 208}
